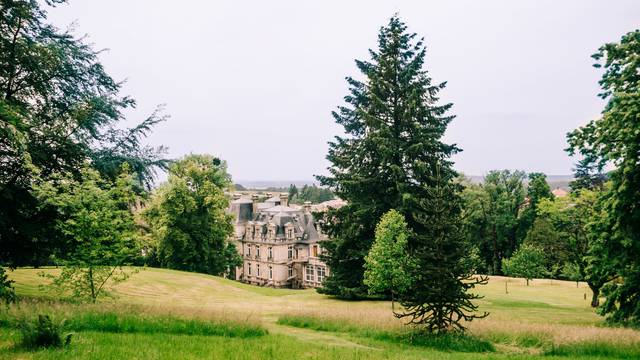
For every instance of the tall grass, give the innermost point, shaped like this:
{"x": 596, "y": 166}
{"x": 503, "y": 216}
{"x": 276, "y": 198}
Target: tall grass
{"x": 152, "y": 324}
{"x": 600, "y": 349}
{"x": 134, "y": 319}
{"x": 443, "y": 342}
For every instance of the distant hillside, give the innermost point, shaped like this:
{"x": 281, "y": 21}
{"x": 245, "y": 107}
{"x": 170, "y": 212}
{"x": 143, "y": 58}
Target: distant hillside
{"x": 274, "y": 184}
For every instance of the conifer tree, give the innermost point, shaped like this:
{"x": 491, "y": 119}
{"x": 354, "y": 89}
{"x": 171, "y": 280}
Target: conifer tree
{"x": 387, "y": 159}
{"x": 438, "y": 299}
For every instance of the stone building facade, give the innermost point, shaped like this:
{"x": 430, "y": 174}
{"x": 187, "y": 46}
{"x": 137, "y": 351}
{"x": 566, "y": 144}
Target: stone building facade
{"x": 279, "y": 244}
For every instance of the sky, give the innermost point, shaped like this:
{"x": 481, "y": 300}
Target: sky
{"x": 254, "y": 82}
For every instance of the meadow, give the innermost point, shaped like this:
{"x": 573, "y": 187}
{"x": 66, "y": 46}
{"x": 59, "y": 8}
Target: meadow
{"x": 164, "y": 314}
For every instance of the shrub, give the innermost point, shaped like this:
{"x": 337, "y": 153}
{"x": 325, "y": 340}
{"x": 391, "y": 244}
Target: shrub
{"x": 7, "y": 292}
{"x": 43, "y": 332}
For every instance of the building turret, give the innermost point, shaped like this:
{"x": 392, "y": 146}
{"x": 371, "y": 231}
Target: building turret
{"x": 284, "y": 199}
{"x": 254, "y": 199}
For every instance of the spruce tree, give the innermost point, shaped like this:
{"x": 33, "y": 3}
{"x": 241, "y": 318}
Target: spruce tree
{"x": 387, "y": 159}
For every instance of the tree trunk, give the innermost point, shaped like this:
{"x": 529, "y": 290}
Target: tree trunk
{"x": 595, "y": 299}
{"x": 527, "y": 282}
{"x": 93, "y": 288}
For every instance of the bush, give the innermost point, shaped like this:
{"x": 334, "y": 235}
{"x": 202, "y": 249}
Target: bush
{"x": 43, "y": 332}
{"x": 7, "y": 292}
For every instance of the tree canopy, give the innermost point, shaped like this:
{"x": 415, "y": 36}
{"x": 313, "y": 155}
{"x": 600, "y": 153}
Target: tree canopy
{"x": 187, "y": 217}
{"x": 614, "y": 139}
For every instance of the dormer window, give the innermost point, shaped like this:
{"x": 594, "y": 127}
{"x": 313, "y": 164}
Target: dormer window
{"x": 272, "y": 232}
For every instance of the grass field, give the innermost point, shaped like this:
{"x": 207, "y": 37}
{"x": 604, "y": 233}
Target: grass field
{"x": 163, "y": 314}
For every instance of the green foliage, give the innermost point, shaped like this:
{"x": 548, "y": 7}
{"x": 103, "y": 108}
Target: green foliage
{"x": 388, "y": 157}
{"x": 587, "y": 175}
{"x": 571, "y": 271}
{"x": 615, "y": 139}
{"x": 313, "y": 193}
{"x": 43, "y": 332}
{"x": 537, "y": 189}
{"x": 293, "y": 191}
{"x": 187, "y": 217}
{"x": 554, "y": 244}
{"x": 7, "y": 292}
{"x": 98, "y": 229}
{"x": 387, "y": 264}
{"x": 491, "y": 215}
{"x": 59, "y": 109}
{"x": 527, "y": 262}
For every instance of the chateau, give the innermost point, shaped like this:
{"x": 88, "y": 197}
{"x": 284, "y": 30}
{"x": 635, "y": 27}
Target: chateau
{"x": 279, "y": 244}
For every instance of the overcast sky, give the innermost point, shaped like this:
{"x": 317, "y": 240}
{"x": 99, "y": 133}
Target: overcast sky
{"x": 254, "y": 82}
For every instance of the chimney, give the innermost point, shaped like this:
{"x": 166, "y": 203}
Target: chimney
{"x": 307, "y": 206}
{"x": 254, "y": 198}
{"x": 284, "y": 199}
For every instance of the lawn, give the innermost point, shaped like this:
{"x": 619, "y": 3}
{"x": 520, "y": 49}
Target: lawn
{"x": 164, "y": 314}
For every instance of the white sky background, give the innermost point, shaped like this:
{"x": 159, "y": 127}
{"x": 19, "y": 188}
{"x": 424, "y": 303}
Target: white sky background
{"x": 254, "y": 82}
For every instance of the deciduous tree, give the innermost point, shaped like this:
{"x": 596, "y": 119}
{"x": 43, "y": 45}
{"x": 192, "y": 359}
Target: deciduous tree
{"x": 187, "y": 215}
{"x": 388, "y": 265}
{"x": 527, "y": 262}
{"x": 614, "y": 139}
{"x": 98, "y": 229}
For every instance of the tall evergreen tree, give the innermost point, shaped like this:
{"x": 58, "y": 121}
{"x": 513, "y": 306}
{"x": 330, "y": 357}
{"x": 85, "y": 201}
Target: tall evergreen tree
{"x": 587, "y": 175}
{"x": 387, "y": 159}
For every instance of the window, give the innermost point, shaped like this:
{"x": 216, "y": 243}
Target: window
{"x": 249, "y": 266}
{"x": 258, "y": 269}
{"x": 309, "y": 273}
{"x": 270, "y": 272}
{"x": 257, "y": 251}
{"x": 270, "y": 252}
{"x": 249, "y": 249}
{"x": 320, "y": 272}
{"x": 290, "y": 272}
{"x": 290, "y": 252}
{"x": 315, "y": 250}
{"x": 289, "y": 233}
